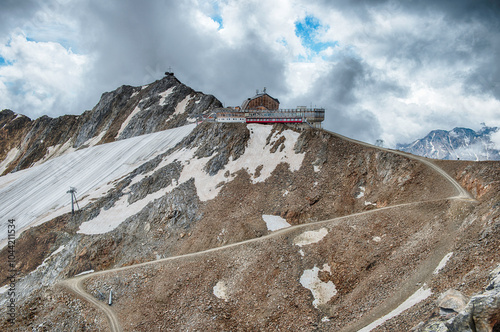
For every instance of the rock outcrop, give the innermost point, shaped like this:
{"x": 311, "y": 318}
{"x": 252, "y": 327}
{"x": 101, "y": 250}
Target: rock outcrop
{"x": 481, "y": 314}
{"x": 451, "y": 301}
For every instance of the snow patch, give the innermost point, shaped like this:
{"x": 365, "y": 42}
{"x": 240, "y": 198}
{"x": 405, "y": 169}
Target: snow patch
{"x": 421, "y": 294}
{"x": 220, "y": 290}
{"x": 94, "y": 140}
{"x": 108, "y": 220}
{"x": 361, "y": 192}
{"x": 310, "y": 237}
{"x": 84, "y": 272}
{"x": 321, "y": 291}
{"x": 51, "y": 150}
{"x": 275, "y": 222}
{"x": 443, "y": 262}
{"x": 134, "y": 94}
{"x": 125, "y": 123}
{"x": 4, "y": 289}
{"x": 316, "y": 168}
{"x": 164, "y": 95}
{"x": 181, "y": 107}
{"x": 258, "y": 153}
{"x": 10, "y": 157}
{"x": 58, "y": 250}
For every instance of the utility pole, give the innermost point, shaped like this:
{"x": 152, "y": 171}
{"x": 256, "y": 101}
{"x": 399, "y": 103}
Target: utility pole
{"x": 72, "y": 191}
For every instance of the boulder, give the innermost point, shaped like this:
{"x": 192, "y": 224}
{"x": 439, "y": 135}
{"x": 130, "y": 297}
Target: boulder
{"x": 482, "y": 313}
{"x": 451, "y": 301}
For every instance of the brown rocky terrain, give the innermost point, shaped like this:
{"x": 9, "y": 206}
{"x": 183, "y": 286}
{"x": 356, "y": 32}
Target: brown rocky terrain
{"x": 368, "y": 228}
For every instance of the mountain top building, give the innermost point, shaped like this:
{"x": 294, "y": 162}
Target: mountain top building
{"x": 262, "y": 108}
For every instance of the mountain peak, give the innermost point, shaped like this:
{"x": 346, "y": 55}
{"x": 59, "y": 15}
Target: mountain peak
{"x": 458, "y": 143}
{"x": 125, "y": 112}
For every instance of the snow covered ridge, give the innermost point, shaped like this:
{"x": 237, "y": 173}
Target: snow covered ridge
{"x": 39, "y": 194}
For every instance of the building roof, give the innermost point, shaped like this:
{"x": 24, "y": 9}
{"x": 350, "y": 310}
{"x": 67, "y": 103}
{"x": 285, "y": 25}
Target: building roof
{"x": 258, "y": 95}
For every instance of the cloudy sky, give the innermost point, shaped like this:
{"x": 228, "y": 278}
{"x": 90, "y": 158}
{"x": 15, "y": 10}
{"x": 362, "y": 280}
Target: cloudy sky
{"x": 391, "y": 70}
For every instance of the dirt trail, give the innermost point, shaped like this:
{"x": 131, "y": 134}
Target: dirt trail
{"x": 424, "y": 273}
{"x": 75, "y": 285}
{"x": 461, "y": 192}
{"x": 420, "y": 276}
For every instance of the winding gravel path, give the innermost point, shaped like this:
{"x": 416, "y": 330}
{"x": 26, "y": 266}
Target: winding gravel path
{"x": 75, "y": 284}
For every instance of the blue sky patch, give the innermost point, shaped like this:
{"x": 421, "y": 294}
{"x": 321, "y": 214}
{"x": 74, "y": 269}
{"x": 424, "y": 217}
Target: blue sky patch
{"x": 216, "y": 15}
{"x": 218, "y": 19}
{"x": 307, "y": 30}
{"x": 282, "y": 41}
{"x": 4, "y": 62}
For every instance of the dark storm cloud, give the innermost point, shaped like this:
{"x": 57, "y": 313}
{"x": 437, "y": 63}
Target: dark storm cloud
{"x": 470, "y": 34}
{"x": 481, "y": 15}
{"x": 360, "y": 124}
{"x": 341, "y": 89}
{"x": 459, "y": 10}
{"x": 136, "y": 42}
{"x": 464, "y": 10}
{"x": 14, "y": 11}
{"x": 342, "y": 81}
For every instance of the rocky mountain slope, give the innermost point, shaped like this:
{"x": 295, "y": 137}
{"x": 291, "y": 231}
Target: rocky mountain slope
{"x": 126, "y": 112}
{"x": 459, "y": 143}
{"x": 236, "y": 227}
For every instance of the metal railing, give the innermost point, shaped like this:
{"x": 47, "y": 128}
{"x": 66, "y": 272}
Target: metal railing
{"x": 309, "y": 114}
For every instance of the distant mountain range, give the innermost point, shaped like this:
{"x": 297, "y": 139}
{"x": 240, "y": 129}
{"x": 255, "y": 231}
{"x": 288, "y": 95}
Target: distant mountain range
{"x": 459, "y": 143}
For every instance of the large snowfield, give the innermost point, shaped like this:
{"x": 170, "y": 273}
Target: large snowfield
{"x": 38, "y": 194}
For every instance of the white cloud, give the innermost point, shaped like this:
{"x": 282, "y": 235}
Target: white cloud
{"x": 40, "y": 77}
{"x": 495, "y": 138}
